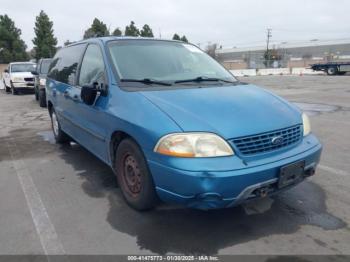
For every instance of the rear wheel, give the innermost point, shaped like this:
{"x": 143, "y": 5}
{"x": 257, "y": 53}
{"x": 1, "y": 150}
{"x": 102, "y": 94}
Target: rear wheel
{"x": 42, "y": 98}
{"x": 60, "y": 136}
{"x": 134, "y": 178}
{"x": 332, "y": 71}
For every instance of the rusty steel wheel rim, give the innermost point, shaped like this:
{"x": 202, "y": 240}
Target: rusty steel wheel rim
{"x": 132, "y": 176}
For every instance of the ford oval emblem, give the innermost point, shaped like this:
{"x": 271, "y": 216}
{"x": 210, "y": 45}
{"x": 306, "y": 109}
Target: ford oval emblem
{"x": 277, "y": 140}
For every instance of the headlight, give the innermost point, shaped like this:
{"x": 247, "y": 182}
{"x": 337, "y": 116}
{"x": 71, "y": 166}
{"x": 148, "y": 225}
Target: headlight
{"x": 17, "y": 79}
{"x": 306, "y": 124}
{"x": 193, "y": 145}
{"x": 42, "y": 81}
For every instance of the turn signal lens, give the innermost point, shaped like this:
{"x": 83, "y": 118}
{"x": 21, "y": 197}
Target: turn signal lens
{"x": 306, "y": 124}
{"x": 193, "y": 145}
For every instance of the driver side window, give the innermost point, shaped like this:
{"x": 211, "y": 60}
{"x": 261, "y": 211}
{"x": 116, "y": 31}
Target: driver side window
{"x": 92, "y": 68}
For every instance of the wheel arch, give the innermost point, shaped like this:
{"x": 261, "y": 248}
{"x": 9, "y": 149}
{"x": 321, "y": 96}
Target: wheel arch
{"x": 116, "y": 137}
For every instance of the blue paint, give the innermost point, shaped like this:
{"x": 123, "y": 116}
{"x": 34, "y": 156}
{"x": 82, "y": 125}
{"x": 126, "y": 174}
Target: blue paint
{"x": 147, "y": 114}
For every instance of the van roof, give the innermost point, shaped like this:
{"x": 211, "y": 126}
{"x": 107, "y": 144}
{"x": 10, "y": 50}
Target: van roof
{"x": 105, "y": 39}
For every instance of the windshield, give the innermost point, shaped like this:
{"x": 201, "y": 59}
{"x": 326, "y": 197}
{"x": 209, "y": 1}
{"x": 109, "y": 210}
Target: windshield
{"x": 45, "y": 64}
{"x": 22, "y": 68}
{"x": 163, "y": 61}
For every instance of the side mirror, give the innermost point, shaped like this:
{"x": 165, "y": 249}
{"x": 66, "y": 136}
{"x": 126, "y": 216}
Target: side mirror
{"x": 6, "y": 70}
{"x": 35, "y": 73}
{"x": 89, "y": 93}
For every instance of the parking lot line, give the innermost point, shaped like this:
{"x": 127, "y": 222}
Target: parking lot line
{"x": 43, "y": 225}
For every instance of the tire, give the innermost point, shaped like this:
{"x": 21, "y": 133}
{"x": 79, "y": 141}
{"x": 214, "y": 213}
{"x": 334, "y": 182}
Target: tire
{"x": 134, "y": 178}
{"x": 13, "y": 90}
{"x": 42, "y": 98}
{"x": 60, "y": 136}
{"x": 6, "y": 88}
{"x": 332, "y": 71}
{"x": 36, "y": 94}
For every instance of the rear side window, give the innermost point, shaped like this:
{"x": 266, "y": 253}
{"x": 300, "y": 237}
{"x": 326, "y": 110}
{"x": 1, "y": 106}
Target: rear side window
{"x": 92, "y": 66}
{"x": 65, "y": 63}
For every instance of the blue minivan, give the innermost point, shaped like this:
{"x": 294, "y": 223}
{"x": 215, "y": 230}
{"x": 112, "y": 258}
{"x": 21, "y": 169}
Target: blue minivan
{"x": 176, "y": 126}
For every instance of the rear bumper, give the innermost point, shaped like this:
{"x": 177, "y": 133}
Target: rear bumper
{"x": 220, "y": 189}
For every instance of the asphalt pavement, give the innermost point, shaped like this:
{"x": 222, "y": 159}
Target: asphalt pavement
{"x": 60, "y": 199}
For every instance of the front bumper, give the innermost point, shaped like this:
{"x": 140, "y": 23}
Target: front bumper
{"x": 24, "y": 85}
{"x": 219, "y": 189}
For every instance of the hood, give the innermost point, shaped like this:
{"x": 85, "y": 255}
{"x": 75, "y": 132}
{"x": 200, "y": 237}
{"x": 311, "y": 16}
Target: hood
{"x": 21, "y": 74}
{"x": 230, "y": 111}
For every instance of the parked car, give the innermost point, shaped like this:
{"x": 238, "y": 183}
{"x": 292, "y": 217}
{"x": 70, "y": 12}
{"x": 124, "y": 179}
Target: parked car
{"x": 40, "y": 80}
{"x": 174, "y": 125}
{"x": 18, "y": 76}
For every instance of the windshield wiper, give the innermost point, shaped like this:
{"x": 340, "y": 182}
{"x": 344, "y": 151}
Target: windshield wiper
{"x": 146, "y": 81}
{"x": 202, "y": 79}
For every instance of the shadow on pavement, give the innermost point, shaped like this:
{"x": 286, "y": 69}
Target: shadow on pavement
{"x": 187, "y": 231}
{"x": 170, "y": 229}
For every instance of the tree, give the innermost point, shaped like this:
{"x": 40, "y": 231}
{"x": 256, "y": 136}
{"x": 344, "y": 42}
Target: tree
{"x": 12, "y": 47}
{"x": 211, "y": 50}
{"x": 146, "y": 31}
{"x": 131, "y": 30}
{"x": 271, "y": 56}
{"x": 176, "y": 37}
{"x": 44, "y": 41}
{"x": 184, "y": 39}
{"x": 68, "y": 42}
{"x": 97, "y": 29}
{"x": 117, "y": 32}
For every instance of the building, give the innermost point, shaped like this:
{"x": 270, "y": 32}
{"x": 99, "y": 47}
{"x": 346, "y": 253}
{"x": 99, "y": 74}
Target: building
{"x": 286, "y": 54}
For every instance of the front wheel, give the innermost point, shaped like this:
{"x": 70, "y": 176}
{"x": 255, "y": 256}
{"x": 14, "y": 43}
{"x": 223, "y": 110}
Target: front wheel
{"x": 42, "y": 98}
{"x": 60, "y": 136}
{"x": 134, "y": 178}
{"x": 36, "y": 94}
{"x": 7, "y": 89}
{"x": 13, "y": 90}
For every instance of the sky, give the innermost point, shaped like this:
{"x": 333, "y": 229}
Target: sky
{"x": 229, "y": 23}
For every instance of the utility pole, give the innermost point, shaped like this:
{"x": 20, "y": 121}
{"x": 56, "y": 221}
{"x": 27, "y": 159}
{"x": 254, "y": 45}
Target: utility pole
{"x": 269, "y": 35}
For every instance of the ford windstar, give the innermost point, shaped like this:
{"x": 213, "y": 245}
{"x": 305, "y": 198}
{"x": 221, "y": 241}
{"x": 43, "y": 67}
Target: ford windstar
{"x": 174, "y": 125}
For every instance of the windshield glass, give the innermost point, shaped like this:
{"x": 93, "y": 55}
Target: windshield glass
{"x": 163, "y": 61}
{"x": 22, "y": 68}
{"x": 45, "y": 64}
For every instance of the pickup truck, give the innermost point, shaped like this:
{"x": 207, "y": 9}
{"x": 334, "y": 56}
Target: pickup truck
{"x": 332, "y": 68}
{"x": 18, "y": 76}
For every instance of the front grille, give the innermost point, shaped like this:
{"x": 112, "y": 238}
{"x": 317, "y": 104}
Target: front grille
{"x": 29, "y": 79}
{"x": 262, "y": 143}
